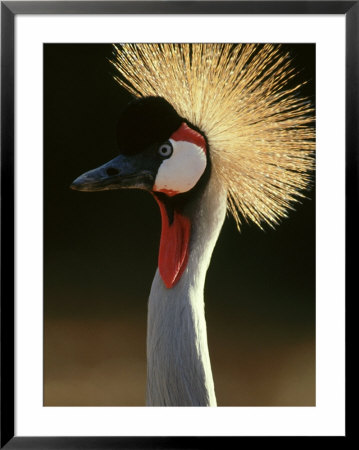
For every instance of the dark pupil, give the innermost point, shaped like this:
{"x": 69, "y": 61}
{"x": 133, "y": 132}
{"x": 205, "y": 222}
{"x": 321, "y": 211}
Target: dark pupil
{"x": 165, "y": 150}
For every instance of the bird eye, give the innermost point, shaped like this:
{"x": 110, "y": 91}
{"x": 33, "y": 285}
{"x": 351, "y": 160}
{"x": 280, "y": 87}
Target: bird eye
{"x": 165, "y": 150}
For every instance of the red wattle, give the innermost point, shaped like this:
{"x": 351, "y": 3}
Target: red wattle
{"x": 174, "y": 246}
{"x": 168, "y": 192}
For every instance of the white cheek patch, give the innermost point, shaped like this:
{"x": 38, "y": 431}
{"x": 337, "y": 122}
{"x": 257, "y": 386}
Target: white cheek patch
{"x": 182, "y": 170}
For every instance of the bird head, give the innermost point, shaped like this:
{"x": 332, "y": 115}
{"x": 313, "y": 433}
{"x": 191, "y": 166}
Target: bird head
{"x": 160, "y": 152}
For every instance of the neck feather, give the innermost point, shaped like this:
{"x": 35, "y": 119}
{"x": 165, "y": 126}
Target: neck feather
{"x": 179, "y": 371}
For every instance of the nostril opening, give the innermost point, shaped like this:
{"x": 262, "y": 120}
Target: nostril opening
{"x": 111, "y": 171}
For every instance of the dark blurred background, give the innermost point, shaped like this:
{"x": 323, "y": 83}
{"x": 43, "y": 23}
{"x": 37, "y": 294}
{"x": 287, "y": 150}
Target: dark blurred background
{"x": 100, "y": 255}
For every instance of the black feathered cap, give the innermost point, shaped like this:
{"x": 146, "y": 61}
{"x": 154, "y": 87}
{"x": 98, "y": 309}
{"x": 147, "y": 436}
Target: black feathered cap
{"x": 144, "y": 122}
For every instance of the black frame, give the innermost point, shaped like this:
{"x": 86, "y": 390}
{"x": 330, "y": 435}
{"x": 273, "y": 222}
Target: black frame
{"x": 8, "y": 11}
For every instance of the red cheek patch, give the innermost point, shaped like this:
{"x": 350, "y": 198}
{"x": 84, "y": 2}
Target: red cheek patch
{"x": 185, "y": 133}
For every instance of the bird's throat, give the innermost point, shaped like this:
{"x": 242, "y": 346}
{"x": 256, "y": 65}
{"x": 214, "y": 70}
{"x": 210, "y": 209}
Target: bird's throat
{"x": 174, "y": 244}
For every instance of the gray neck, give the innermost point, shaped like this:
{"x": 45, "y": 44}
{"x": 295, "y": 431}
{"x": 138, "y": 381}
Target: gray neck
{"x": 178, "y": 365}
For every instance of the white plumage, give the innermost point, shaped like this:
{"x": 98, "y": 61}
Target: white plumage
{"x": 179, "y": 371}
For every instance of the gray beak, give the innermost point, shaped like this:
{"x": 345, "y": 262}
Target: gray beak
{"x": 121, "y": 172}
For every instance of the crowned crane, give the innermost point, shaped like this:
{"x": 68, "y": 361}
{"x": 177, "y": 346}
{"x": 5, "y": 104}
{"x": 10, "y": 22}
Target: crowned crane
{"x": 211, "y": 127}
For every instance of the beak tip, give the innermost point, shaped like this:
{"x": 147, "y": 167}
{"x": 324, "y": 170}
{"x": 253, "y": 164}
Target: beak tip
{"x": 78, "y": 184}
{"x": 74, "y": 186}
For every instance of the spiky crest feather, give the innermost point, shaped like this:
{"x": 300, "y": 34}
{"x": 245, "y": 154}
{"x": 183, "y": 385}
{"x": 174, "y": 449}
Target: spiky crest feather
{"x": 260, "y": 131}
